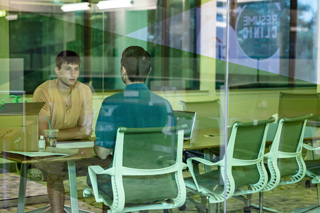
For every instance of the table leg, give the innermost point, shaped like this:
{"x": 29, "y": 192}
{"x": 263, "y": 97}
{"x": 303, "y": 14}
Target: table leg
{"x": 73, "y": 186}
{"x": 207, "y": 156}
{"x": 22, "y": 187}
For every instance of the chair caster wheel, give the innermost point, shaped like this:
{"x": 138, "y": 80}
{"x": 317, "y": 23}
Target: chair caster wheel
{"x": 308, "y": 183}
{"x": 183, "y": 207}
{"x": 246, "y": 210}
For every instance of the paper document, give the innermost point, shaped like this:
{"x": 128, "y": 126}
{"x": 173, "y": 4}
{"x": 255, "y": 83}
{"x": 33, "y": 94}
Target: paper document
{"x": 36, "y": 154}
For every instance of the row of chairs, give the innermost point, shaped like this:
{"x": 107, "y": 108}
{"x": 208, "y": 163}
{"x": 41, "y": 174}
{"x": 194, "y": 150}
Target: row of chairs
{"x": 150, "y": 177}
{"x": 242, "y": 171}
{"x": 283, "y": 168}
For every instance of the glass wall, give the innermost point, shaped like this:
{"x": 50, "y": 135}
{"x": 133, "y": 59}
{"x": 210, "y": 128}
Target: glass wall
{"x": 241, "y": 65}
{"x": 272, "y": 57}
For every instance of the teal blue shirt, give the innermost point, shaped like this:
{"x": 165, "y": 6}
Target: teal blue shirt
{"x": 135, "y": 107}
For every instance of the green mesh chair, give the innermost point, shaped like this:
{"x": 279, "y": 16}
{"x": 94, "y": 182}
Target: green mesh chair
{"x": 285, "y": 162}
{"x": 208, "y": 113}
{"x": 208, "y": 117}
{"x": 241, "y": 171}
{"x": 313, "y": 171}
{"x": 146, "y": 171}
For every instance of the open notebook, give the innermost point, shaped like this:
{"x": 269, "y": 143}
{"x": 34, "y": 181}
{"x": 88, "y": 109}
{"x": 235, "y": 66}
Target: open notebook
{"x": 185, "y": 118}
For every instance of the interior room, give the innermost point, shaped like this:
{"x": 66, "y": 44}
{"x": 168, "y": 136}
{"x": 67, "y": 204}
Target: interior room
{"x": 240, "y": 80}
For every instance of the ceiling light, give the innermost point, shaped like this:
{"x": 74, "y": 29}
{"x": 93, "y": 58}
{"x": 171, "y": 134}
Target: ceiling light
{"x": 75, "y": 7}
{"x": 111, "y": 4}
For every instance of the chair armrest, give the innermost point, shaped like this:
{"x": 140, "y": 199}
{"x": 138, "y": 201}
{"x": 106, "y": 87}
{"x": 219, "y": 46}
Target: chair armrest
{"x": 311, "y": 148}
{"x": 87, "y": 192}
{"x": 96, "y": 169}
{"x": 203, "y": 161}
{"x": 101, "y": 171}
{"x": 240, "y": 162}
{"x": 93, "y": 171}
{"x": 184, "y": 166}
{"x": 288, "y": 154}
{"x": 279, "y": 154}
{"x": 269, "y": 155}
{"x": 276, "y": 117}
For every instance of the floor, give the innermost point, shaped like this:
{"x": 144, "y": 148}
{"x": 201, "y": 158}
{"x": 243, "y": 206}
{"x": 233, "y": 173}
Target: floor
{"x": 283, "y": 198}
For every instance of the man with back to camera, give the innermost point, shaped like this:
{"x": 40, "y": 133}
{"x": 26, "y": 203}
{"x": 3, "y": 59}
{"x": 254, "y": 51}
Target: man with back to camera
{"x": 135, "y": 107}
{"x": 68, "y": 107}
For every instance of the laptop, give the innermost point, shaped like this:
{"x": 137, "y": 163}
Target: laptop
{"x": 32, "y": 108}
{"x": 185, "y": 118}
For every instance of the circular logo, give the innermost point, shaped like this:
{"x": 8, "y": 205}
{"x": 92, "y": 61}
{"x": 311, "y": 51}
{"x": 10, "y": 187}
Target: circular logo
{"x": 258, "y": 28}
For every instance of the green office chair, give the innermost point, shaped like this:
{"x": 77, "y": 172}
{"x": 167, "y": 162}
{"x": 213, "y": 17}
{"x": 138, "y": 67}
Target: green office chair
{"x": 146, "y": 172}
{"x": 208, "y": 117}
{"x": 313, "y": 171}
{"x": 241, "y": 171}
{"x": 208, "y": 113}
{"x": 285, "y": 162}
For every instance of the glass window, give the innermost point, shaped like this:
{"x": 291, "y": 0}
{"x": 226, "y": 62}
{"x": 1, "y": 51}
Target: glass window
{"x": 243, "y": 74}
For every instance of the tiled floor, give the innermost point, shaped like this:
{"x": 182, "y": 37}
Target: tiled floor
{"x": 283, "y": 198}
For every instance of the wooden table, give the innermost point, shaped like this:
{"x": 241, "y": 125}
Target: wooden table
{"x": 77, "y": 154}
{"x": 211, "y": 138}
{"x": 204, "y": 139}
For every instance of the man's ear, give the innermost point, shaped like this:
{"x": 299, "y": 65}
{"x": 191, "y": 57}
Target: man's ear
{"x": 124, "y": 75}
{"x": 123, "y": 70}
{"x": 57, "y": 70}
{"x": 149, "y": 71}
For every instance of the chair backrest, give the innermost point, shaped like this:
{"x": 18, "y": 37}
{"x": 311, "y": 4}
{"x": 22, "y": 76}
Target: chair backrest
{"x": 298, "y": 104}
{"x": 245, "y": 152}
{"x": 185, "y": 118}
{"x": 208, "y": 112}
{"x": 285, "y": 161}
{"x": 148, "y": 165}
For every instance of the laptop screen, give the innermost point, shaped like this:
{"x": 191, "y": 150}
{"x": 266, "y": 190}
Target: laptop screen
{"x": 185, "y": 118}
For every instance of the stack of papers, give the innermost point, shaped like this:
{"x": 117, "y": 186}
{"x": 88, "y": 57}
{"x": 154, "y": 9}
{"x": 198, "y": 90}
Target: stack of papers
{"x": 36, "y": 154}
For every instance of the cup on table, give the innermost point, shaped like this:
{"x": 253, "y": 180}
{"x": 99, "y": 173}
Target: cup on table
{"x": 50, "y": 136}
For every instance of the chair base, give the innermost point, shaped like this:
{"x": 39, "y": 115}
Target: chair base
{"x": 203, "y": 205}
{"x": 247, "y": 201}
{"x": 264, "y": 209}
{"x": 310, "y": 209}
{"x": 46, "y": 209}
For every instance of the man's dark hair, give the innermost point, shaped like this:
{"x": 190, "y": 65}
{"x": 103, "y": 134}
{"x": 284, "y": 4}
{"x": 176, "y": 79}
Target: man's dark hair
{"x": 68, "y": 57}
{"x": 137, "y": 62}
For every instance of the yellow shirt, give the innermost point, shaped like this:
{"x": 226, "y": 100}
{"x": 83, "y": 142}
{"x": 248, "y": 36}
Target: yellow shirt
{"x": 61, "y": 116}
